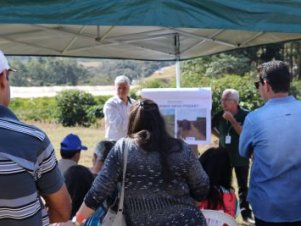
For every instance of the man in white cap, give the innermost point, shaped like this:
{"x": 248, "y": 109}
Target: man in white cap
{"x": 28, "y": 169}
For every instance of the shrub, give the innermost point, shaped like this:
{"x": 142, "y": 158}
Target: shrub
{"x": 36, "y": 109}
{"x": 296, "y": 89}
{"x": 223, "y": 64}
{"x": 74, "y": 108}
{"x": 100, "y": 100}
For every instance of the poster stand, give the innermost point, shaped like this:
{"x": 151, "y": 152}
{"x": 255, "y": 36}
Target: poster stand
{"x": 187, "y": 112}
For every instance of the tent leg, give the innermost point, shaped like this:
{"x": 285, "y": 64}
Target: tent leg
{"x": 178, "y": 74}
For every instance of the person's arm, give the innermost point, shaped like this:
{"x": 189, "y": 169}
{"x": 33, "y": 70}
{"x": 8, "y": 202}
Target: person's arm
{"x": 235, "y": 125}
{"x": 197, "y": 178}
{"x": 103, "y": 186}
{"x": 59, "y": 205}
{"x": 83, "y": 214}
{"x": 105, "y": 183}
{"x": 50, "y": 185}
{"x": 246, "y": 139}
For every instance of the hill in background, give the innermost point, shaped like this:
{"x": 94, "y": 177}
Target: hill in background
{"x": 165, "y": 74}
{"x": 59, "y": 71}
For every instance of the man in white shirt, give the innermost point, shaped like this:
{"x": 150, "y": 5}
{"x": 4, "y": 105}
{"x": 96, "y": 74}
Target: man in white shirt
{"x": 116, "y": 110}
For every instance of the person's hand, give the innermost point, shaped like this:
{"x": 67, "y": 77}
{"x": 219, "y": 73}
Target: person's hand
{"x": 228, "y": 116}
{"x": 68, "y": 223}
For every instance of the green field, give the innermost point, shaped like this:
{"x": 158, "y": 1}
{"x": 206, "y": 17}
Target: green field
{"x": 89, "y": 136}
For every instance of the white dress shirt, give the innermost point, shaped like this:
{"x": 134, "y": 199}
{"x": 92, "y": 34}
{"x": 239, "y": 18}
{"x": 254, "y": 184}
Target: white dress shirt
{"x": 116, "y": 113}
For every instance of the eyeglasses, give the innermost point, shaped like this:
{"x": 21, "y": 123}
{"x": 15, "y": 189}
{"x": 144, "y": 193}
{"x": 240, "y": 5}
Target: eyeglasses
{"x": 226, "y": 100}
{"x": 257, "y": 83}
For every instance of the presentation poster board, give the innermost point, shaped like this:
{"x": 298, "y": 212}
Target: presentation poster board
{"x": 187, "y": 112}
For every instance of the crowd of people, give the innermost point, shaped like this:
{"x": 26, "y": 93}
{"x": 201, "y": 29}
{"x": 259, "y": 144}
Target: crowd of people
{"x": 165, "y": 182}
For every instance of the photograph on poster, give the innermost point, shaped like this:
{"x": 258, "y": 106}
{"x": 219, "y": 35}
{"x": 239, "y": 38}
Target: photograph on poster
{"x": 187, "y": 112}
{"x": 191, "y": 124}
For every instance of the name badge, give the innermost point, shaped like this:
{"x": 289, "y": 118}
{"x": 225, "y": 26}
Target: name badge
{"x": 228, "y": 139}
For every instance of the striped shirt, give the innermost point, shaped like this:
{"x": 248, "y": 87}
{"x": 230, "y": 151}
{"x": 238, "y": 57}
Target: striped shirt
{"x": 28, "y": 169}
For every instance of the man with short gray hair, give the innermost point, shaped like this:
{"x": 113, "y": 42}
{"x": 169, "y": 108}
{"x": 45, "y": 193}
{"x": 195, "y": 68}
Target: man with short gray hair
{"x": 227, "y": 125}
{"x": 116, "y": 110}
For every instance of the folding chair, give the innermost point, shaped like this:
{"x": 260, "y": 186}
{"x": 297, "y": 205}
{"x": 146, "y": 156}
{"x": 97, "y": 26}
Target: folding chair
{"x": 218, "y": 218}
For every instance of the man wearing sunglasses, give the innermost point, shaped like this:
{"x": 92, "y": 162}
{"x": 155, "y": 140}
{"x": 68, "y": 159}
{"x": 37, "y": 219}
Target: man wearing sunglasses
{"x": 28, "y": 169}
{"x": 227, "y": 125}
{"x": 271, "y": 135}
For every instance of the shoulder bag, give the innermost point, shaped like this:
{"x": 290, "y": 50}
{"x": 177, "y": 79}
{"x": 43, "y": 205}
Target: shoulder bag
{"x": 113, "y": 218}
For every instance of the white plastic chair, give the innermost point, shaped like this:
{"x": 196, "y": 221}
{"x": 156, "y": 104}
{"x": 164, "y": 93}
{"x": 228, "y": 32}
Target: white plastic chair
{"x": 218, "y": 218}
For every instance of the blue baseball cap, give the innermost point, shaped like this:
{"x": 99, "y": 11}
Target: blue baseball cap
{"x": 72, "y": 143}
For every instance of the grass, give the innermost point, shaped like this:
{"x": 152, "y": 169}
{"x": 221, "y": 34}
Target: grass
{"x": 90, "y": 136}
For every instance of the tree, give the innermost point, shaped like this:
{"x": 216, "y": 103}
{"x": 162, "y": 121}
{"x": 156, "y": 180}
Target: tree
{"x": 42, "y": 71}
{"x": 227, "y": 64}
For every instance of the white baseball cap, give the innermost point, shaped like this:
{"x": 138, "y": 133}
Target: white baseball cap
{"x": 4, "y": 64}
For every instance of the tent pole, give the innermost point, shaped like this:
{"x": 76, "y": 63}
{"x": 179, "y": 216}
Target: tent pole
{"x": 177, "y": 54}
{"x": 178, "y": 74}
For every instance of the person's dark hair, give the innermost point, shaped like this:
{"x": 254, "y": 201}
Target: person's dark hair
{"x": 147, "y": 128}
{"x": 277, "y": 74}
{"x": 216, "y": 163}
{"x": 78, "y": 181}
{"x": 68, "y": 154}
{"x": 103, "y": 148}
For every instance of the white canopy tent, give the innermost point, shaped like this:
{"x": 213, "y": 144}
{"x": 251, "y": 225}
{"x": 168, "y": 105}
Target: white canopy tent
{"x": 144, "y": 30}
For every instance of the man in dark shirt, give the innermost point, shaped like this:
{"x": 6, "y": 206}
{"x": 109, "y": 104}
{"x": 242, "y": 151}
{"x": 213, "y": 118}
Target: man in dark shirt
{"x": 227, "y": 125}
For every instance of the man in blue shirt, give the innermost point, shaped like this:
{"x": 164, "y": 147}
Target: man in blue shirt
{"x": 271, "y": 135}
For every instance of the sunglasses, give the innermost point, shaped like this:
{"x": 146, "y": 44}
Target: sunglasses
{"x": 257, "y": 83}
